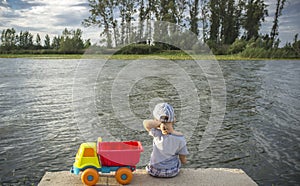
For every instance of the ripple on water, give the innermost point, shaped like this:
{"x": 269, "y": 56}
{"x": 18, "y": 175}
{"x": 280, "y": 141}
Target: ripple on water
{"x": 259, "y": 134}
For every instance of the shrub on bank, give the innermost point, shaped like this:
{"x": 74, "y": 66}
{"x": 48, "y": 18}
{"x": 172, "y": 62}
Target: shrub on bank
{"x": 139, "y": 49}
{"x": 250, "y": 52}
{"x": 41, "y": 51}
{"x": 268, "y": 53}
{"x": 238, "y": 46}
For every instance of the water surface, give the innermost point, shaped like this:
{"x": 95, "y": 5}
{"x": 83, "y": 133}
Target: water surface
{"x": 40, "y": 128}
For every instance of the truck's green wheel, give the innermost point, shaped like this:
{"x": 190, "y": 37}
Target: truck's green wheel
{"x": 90, "y": 176}
{"x": 124, "y": 175}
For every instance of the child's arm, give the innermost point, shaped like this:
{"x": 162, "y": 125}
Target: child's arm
{"x": 182, "y": 158}
{"x": 149, "y": 124}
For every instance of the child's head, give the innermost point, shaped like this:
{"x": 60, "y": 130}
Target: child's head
{"x": 164, "y": 113}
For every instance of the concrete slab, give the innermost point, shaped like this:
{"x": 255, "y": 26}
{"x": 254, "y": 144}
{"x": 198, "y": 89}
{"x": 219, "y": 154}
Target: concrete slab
{"x": 188, "y": 177}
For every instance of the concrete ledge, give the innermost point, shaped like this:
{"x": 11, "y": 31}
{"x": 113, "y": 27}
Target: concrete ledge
{"x": 188, "y": 177}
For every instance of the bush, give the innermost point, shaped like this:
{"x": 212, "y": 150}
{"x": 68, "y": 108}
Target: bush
{"x": 221, "y": 50}
{"x": 200, "y": 48}
{"x": 217, "y": 49}
{"x": 165, "y": 46}
{"x": 238, "y": 46}
{"x": 41, "y": 51}
{"x": 270, "y": 53}
{"x": 255, "y": 53}
{"x": 139, "y": 49}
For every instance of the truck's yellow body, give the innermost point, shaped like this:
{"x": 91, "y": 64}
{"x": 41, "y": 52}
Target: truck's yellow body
{"x": 87, "y": 156}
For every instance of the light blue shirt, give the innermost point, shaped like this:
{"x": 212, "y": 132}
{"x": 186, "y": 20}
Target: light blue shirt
{"x": 166, "y": 149}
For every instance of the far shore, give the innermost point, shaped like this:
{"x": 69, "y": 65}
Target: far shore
{"x": 168, "y": 56}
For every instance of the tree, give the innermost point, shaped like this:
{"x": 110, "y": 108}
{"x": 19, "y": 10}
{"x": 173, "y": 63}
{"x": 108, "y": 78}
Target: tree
{"x": 224, "y": 20}
{"x": 194, "y": 12}
{"x": 214, "y": 20}
{"x": 168, "y": 11}
{"x": 181, "y": 7}
{"x": 21, "y": 42}
{"x": 150, "y": 9}
{"x": 142, "y": 18}
{"x": 126, "y": 9}
{"x": 230, "y": 21}
{"x": 129, "y": 10}
{"x": 101, "y": 16}
{"x": 296, "y": 45}
{"x": 255, "y": 14}
{"x": 38, "y": 41}
{"x": 26, "y": 40}
{"x": 87, "y": 43}
{"x": 238, "y": 17}
{"x": 47, "y": 44}
{"x": 8, "y": 39}
{"x": 228, "y": 35}
{"x": 204, "y": 18}
{"x": 111, "y": 4}
{"x": 71, "y": 41}
{"x": 274, "y": 32}
{"x": 122, "y": 9}
{"x": 56, "y": 42}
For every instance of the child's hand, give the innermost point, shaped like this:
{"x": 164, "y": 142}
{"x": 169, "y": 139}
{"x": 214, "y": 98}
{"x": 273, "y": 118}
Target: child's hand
{"x": 163, "y": 129}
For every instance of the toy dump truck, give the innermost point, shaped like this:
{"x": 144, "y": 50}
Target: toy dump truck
{"x": 104, "y": 157}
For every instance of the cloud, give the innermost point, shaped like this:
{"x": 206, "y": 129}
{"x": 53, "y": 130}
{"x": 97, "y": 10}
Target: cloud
{"x": 288, "y": 21}
{"x": 43, "y": 16}
{"x": 20, "y": 4}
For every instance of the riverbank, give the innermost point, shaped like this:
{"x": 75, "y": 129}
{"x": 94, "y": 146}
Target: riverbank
{"x": 210, "y": 176}
{"x": 168, "y": 56}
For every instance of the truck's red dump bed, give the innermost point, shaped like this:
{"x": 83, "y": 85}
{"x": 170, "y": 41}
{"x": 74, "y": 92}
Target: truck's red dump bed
{"x": 119, "y": 153}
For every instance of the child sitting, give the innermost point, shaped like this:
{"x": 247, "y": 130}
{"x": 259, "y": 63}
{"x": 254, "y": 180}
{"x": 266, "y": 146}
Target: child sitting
{"x": 169, "y": 146}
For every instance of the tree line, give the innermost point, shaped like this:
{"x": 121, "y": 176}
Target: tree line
{"x": 222, "y": 24}
{"x": 25, "y": 42}
{"x": 226, "y": 26}
{"x": 218, "y": 21}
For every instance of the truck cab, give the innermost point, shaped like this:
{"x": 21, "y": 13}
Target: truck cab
{"x": 86, "y": 157}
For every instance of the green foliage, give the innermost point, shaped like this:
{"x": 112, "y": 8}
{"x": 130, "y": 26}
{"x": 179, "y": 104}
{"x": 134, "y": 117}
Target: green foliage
{"x": 164, "y": 46}
{"x": 296, "y": 45}
{"x": 139, "y": 49}
{"x": 225, "y": 20}
{"x": 24, "y": 43}
{"x": 25, "y": 40}
{"x": 260, "y": 42}
{"x": 47, "y": 44}
{"x": 93, "y": 49}
{"x": 194, "y": 11}
{"x": 255, "y": 14}
{"x": 200, "y": 48}
{"x": 56, "y": 42}
{"x": 8, "y": 39}
{"x": 251, "y": 52}
{"x": 71, "y": 42}
{"x": 238, "y": 46}
{"x": 217, "y": 49}
{"x": 38, "y": 41}
{"x": 221, "y": 50}
{"x": 255, "y": 50}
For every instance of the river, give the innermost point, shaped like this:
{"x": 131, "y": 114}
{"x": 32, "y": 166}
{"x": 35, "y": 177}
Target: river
{"x": 49, "y": 106}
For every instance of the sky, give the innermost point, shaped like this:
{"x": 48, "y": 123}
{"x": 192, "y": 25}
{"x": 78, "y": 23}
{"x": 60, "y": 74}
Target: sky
{"x": 53, "y": 16}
